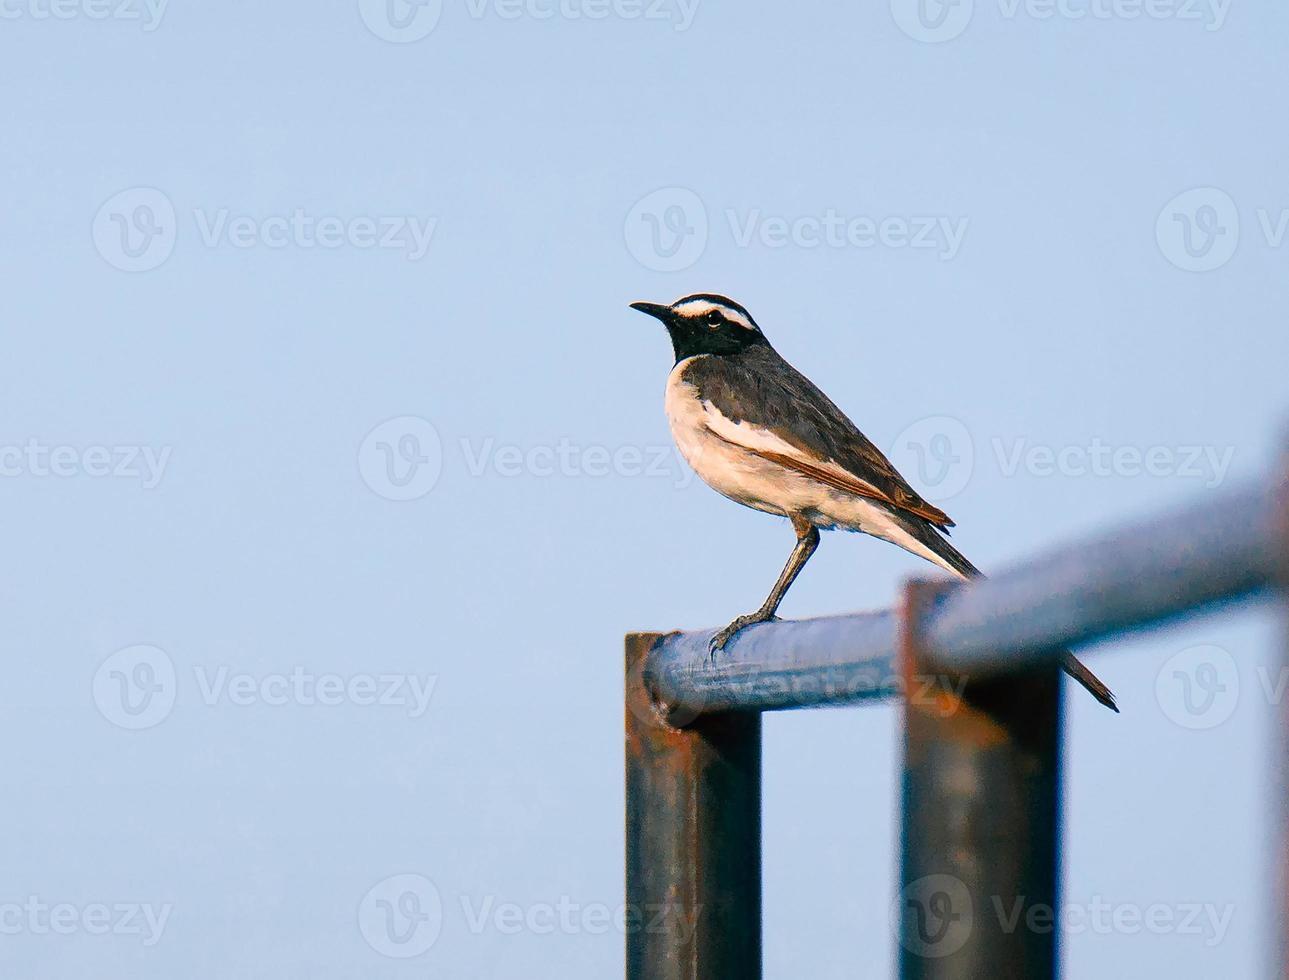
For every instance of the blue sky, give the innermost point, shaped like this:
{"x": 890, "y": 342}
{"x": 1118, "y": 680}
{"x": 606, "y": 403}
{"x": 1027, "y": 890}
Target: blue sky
{"x": 334, "y": 467}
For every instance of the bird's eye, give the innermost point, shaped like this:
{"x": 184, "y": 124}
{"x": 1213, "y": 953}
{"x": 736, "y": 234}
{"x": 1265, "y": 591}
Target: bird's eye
{"x": 714, "y": 318}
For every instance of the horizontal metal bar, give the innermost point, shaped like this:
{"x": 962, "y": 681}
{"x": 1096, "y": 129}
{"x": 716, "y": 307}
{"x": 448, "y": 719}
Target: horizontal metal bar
{"x": 1222, "y": 549}
{"x": 1217, "y": 551}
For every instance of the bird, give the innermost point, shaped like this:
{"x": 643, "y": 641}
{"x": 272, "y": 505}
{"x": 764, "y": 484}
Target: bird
{"x": 758, "y": 431}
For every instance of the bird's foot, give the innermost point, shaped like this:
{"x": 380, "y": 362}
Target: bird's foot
{"x": 722, "y": 637}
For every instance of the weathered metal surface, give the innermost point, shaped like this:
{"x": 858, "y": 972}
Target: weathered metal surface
{"x": 1222, "y": 549}
{"x": 834, "y": 660}
{"x": 693, "y": 839}
{"x": 980, "y": 844}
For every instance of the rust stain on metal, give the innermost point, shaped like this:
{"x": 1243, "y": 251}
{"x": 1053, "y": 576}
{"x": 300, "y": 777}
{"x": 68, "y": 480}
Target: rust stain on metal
{"x": 969, "y": 723}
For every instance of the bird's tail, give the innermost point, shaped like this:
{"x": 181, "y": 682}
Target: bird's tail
{"x": 951, "y": 559}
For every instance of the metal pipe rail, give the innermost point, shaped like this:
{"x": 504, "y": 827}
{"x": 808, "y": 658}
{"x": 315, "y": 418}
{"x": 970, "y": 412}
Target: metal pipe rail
{"x": 976, "y": 665}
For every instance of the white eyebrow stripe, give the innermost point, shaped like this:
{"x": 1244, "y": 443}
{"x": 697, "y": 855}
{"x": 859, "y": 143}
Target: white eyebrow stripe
{"x": 700, "y": 307}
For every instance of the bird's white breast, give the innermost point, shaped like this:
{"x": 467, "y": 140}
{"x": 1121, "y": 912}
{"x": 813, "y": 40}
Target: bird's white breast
{"x": 726, "y": 467}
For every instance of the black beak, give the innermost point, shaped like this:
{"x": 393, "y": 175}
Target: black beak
{"x": 656, "y": 310}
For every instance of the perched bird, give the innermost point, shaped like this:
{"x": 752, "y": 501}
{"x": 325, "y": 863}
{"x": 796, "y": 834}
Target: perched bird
{"x": 759, "y": 432}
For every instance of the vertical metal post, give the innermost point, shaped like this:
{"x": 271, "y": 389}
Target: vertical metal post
{"x": 981, "y": 816}
{"x": 1280, "y": 751}
{"x": 693, "y": 848}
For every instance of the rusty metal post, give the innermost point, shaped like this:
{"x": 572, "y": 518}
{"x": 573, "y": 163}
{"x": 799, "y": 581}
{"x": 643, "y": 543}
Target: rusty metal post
{"x": 693, "y": 838}
{"x": 981, "y": 815}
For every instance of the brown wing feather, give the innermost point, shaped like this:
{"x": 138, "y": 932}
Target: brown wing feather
{"x": 916, "y": 506}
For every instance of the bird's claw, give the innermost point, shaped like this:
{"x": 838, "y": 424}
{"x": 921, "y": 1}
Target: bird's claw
{"x": 722, "y": 637}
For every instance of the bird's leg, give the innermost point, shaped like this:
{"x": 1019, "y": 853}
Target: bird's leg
{"x": 807, "y": 542}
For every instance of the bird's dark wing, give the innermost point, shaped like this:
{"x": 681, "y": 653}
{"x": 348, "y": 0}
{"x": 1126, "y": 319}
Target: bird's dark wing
{"x": 761, "y": 402}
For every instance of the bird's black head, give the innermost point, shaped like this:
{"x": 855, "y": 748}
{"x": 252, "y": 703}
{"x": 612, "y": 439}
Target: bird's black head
{"x": 706, "y": 324}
